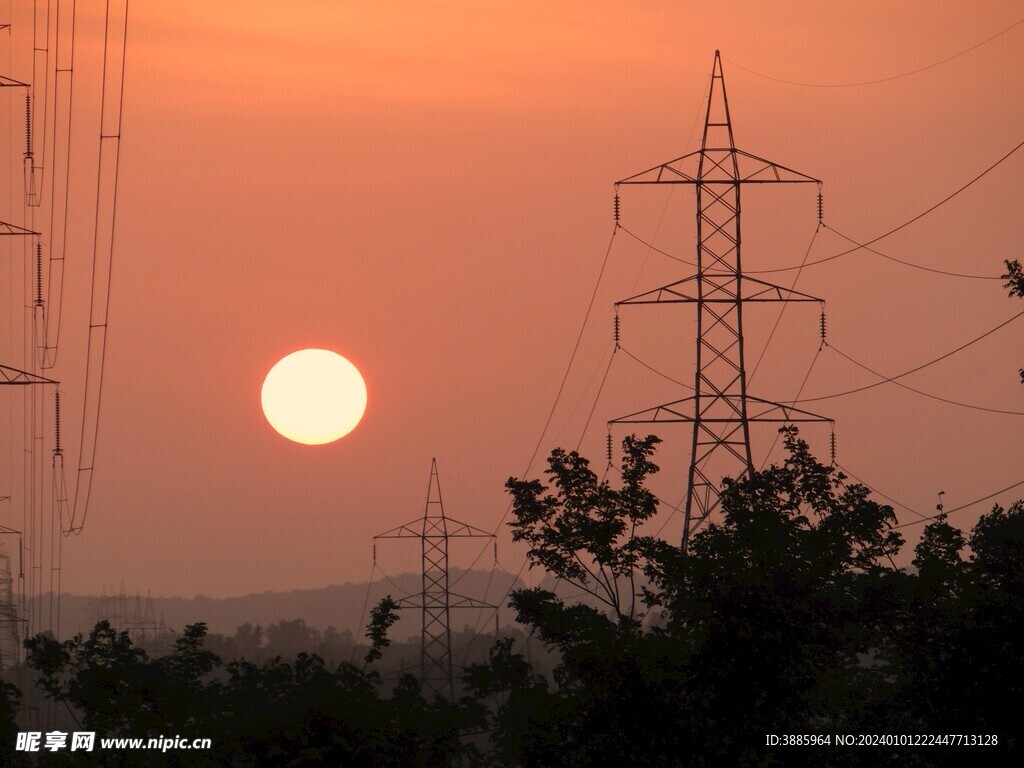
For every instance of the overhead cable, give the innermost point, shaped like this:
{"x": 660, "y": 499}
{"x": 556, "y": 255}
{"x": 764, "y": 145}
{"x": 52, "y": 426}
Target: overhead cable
{"x": 882, "y": 79}
{"x": 910, "y": 263}
{"x": 866, "y": 244}
{"x": 922, "y": 393}
{"x": 963, "y": 506}
{"x": 888, "y": 379}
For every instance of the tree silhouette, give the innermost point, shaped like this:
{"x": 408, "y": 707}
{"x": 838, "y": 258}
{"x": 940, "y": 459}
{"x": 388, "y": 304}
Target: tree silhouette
{"x": 786, "y": 615}
{"x": 587, "y": 533}
{"x": 1015, "y": 285}
{"x": 299, "y": 714}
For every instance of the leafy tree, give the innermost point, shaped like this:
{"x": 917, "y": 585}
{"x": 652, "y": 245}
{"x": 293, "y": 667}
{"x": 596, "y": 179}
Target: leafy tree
{"x": 383, "y": 615}
{"x": 249, "y": 640}
{"x": 292, "y": 713}
{"x": 586, "y": 534}
{"x": 786, "y": 615}
{"x": 102, "y": 676}
{"x": 1015, "y": 285}
{"x": 289, "y": 638}
{"x": 10, "y": 699}
{"x": 775, "y": 605}
{"x": 1015, "y": 278}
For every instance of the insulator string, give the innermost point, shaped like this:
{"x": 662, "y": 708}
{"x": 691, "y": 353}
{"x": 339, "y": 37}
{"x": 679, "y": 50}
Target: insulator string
{"x": 56, "y": 421}
{"x": 39, "y": 274}
{"x": 28, "y": 125}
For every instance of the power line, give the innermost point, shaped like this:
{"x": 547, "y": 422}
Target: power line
{"x": 888, "y": 379}
{"x": 884, "y": 379}
{"x": 785, "y": 304}
{"x": 879, "y": 493}
{"x": 922, "y": 393}
{"x": 964, "y": 506}
{"x": 652, "y": 369}
{"x": 104, "y": 230}
{"x": 864, "y": 245}
{"x": 910, "y": 221}
{"x": 575, "y": 349}
{"x": 910, "y": 263}
{"x": 883, "y": 79}
{"x": 929, "y": 518}
{"x": 590, "y": 382}
{"x": 572, "y": 359}
{"x": 362, "y": 612}
{"x": 655, "y": 248}
{"x": 558, "y": 395}
{"x": 597, "y": 399}
{"x": 803, "y": 384}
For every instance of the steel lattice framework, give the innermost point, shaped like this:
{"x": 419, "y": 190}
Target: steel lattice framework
{"x": 436, "y": 600}
{"x": 720, "y": 410}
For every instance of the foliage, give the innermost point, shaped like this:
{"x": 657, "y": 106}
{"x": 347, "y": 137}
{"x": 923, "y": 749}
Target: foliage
{"x": 297, "y": 714}
{"x": 1015, "y": 285}
{"x": 586, "y": 534}
{"x": 787, "y": 614}
{"x": 1014, "y": 278}
{"x": 10, "y": 699}
{"x": 382, "y": 617}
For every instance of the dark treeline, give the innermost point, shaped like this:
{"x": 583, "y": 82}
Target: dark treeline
{"x": 786, "y": 616}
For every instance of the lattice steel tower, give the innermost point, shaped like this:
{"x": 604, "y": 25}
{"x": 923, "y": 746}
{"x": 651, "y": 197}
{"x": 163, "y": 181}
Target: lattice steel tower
{"x": 436, "y": 600}
{"x": 720, "y": 410}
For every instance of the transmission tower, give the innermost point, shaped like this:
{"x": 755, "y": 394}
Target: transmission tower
{"x": 436, "y": 600}
{"x": 720, "y": 410}
{"x": 15, "y": 614}
{"x": 10, "y": 619}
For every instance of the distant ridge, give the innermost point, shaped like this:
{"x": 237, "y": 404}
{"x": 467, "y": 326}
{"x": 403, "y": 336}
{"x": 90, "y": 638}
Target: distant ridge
{"x": 335, "y": 605}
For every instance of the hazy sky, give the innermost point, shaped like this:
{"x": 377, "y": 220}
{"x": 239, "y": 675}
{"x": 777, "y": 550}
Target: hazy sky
{"x": 426, "y": 188}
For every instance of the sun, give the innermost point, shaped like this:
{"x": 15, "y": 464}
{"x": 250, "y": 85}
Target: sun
{"x": 313, "y": 396}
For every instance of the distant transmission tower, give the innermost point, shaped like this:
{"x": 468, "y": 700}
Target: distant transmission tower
{"x": 436, "y": 600}
{"x": 11, "y": 621}
{"x": 15, "y": 614}
{"x": 720, "y": 410}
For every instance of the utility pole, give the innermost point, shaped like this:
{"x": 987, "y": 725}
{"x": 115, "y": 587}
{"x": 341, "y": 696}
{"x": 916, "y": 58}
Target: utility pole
{"x": 436, "y": 600}
{"x": 720, "y": 410}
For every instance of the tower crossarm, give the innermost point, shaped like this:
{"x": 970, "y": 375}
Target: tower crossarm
{"x": 457, "y": 529}
{"x": 751, "y": 169}
{"x": 15, "y": 377}
{"x": 414, "y": 530}
{"x": 13, "y": 229}
{"x": 725, "y": 288}
{"x": 404, "y": 531}
{"x": 758, "y": 409}
{"x": 454, "y": 601}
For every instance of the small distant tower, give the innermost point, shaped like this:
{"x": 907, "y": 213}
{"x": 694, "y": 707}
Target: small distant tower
{"x": 721, "y": 410}
{"x": 436, "y": 600}
{"x": 10, "y": 621}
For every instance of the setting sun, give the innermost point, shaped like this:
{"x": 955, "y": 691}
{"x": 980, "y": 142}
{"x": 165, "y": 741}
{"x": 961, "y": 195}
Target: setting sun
{"x": 313, "y": 396}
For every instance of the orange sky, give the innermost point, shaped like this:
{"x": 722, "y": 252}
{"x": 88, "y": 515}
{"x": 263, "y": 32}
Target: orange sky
{"x": 427, "y": 190}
